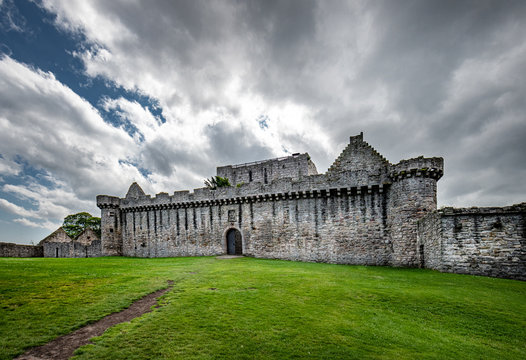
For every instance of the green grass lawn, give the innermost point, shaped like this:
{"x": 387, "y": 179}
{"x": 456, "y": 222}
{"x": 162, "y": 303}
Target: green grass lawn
{"x": 250, "y": 308}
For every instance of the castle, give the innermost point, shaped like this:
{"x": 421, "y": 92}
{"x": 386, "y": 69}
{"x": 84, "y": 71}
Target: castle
{"x": 363, "y": 210}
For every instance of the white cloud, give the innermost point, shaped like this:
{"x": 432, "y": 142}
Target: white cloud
{"x": 131, "y": 111}
{"x": 198, "y": 61}
{"x": 53, "y": 130}
{"x": 47, "y": 225}
{"x": 15, "y": 209}
{"x": 9, "y": 167}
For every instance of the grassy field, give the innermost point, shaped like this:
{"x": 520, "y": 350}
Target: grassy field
{"x": 249, "y": 308}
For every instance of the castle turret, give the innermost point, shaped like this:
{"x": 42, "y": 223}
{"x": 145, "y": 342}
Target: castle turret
{"x": 412, "y": 195}
{"x": 110, "y": 225}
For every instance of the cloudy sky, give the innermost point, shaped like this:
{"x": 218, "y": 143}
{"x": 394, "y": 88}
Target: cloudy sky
{"x": 97, "y": 94}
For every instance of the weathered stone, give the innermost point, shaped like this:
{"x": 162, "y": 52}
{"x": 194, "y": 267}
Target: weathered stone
{"x": 17, "y": 250}
{"x": 364, "y": 210}
{"x": 59, "y": 244}
{"x": 481, "y": 241}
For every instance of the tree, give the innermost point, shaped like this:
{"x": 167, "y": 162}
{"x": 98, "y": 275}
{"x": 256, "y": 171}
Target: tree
{"x": 216, "y": 182}
{"x": 75, "y": 224}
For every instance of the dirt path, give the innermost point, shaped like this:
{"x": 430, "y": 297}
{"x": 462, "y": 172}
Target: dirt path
{"x": 63, "y": 347}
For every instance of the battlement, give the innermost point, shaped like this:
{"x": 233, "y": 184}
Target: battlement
{"x": 282, "y": 208}
{"x": 360, "y": 167}
{"x": 419, "y": 166}
{"x": 513, "y": 209}
{"x": 283, "y": 189}
{"x": 105, "y": 201}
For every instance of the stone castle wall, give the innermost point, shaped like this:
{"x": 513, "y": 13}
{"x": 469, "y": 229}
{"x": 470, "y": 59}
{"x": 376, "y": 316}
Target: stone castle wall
{"x": 362, "y": 211}
{"x": 266, "y": 171}
{"x": 478, "y": 241}
{"x": 17, "y": 250}
{"x": 73, "y": 249}
{"x": 60, "y": 245}
{"x": 338, "y": 225}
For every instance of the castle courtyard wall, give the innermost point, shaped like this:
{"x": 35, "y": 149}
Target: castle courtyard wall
{"x": 347, "y": 227}
{"x": 363, "y": 210}
{"x": 22, "y": 251}
{"x": 478, "y": 241}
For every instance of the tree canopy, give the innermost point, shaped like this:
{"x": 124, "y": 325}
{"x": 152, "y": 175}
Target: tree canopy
{"x": 75, "y": 224}
{"x": 216, "y": 182}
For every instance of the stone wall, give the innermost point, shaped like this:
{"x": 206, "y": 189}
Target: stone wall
{"x": 72, "y": 249}
{"x": 361, "y": 158}
{"x": 294, "y": 167}
{"x": 57, "y": 249}
{"x": 16, "y": 250}
{"x": 339, "y": 226}
{"x": 336, "y": 227}
{"x": 59, "y": 245}
{"x": 410, "y": 199}
{"x": 478, "y": 241}
{"x": 362, "y": 211}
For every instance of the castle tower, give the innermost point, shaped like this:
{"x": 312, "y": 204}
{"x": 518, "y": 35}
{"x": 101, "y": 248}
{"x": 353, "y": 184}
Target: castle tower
{"x": 110, "y": 225}
{"x": 412, "y": 195}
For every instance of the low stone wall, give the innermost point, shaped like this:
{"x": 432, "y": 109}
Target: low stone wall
{"x": 16, "y": 250}
{"x": 72, "y": 249}
{"x": 478, "y": 241}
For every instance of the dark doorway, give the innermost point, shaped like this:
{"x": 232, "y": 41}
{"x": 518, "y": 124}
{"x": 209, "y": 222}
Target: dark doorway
{"x": 422, "y": 258}
{"x": 56, "y": 252}
{"x": 234, "y": 245}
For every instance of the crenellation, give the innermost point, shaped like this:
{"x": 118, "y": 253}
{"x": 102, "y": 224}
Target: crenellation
{"x": 418, "y": 167}
{"x": 364, "y": 210}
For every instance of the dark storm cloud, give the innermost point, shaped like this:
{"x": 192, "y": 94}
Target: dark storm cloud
{"x": 234, "y": 145}
{"x": 434, "y": 78}
{"x": 447, "y": 75}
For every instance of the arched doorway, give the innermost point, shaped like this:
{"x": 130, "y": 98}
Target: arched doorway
{"x": 234, "y": 245}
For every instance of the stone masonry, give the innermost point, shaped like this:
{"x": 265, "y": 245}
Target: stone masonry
{"x": 482, "y": 241}
{"x": 60, "y": 245}
{"x": 362, "y": 211}
{"x": 17, "y": 250}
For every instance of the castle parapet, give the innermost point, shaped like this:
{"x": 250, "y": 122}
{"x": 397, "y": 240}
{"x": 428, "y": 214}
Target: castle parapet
{"x": 513, "y": 209}
{"x": 420, "y": 166}
{"x": 105, "y": 201}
